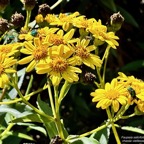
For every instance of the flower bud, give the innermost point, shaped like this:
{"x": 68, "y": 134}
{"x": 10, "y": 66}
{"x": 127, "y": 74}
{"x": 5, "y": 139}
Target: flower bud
{"x": 4, "y": 26}
{"x": 3, "y": 4}
{"x": 44, "y": 9}
{"x": 115, "y": 22}
{"x": 89, "y": 77}
{"x": 29, "y": 4}
{"x": 17, "y": 19}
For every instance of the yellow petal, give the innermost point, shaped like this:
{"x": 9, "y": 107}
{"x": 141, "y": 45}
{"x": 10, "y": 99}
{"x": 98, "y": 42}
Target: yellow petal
{"x": 31, "y": 66}
{"x": 25, "y": 60}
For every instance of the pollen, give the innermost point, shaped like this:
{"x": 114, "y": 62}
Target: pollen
{"x": 40, "y": 53}
{"x": 112, "y": 94}
{"x": 82, "y": 52}
{"x": 56, "y": 39}
{"x": 59, "y": 65}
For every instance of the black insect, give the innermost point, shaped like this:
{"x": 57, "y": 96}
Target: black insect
{"x": 34, "y": 32}
{"x": 131, "y": 91}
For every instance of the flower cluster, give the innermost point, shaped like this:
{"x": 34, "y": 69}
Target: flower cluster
{"x": 60, "y": 46}
{"x": 122, "y": 90}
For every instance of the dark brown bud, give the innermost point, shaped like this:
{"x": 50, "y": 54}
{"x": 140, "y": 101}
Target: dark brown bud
{"x": 44, "y": 9}
{"x": 17, "y": 19}
{"x": 29, "y": 4}
{"x": 115, "y": 22}
{"x": 3, "y": 4}
{"x": 4, "y": 26}
{"x": 89, "y": 77}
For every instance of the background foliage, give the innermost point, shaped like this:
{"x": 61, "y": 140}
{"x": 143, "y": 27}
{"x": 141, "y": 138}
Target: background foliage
{"x": 77, "y": 111}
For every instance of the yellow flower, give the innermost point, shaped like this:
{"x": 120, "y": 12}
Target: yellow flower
{"x": 10, "y": 49}
{"x": 99, "y": 31}
{"x": 64, "y": 20}
{"x": 135, "y": 86}
{"x": 82, "y": 22}
{"x": 43, "y": 32}
{"x": 58, "y": 66}
{"x": 113, "y": 95}
{"x": 36, "y": 53}
{"x": 39, "y": 18}
{"x": 5, "y": 69}
{"x": 82, "y": 55}
{"x": 60, "y": 38}
{"x": 140, "y": 105}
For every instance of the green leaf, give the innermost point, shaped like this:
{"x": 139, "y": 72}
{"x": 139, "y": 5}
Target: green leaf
{"x": 102, "y": 136}
{"x": 43, "y": 106}
{"x": 38, "y": 128}
{"x": 13, "y": 93}
{"x": 85, "y": 140}
{"x": 128, "y": 17}
{"x": 133, "y": 129}
{"x": 31, "y": 118}
{"x": 109, "y": 4}
{"x": 133, "y": 66}
{"x": 51, "y": 129}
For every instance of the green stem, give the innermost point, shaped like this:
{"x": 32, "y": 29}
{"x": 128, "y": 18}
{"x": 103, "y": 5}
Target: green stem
{"x": 51, "y": 99}
{"x": 3, "y": 93}
{"x": 105, "y": 63}
{"x": 121, "y": 112}
{"x": 113, "y": 126}
{"x": 7, "y": 130}
{"x": 57, "y": 119}
{"x": 28, "y": 15}
{"x": 26, "y": 97}
{"x": 34, "y": 108}
{"x": 29, "y": 85}
{"x": 128, "y": 116}
{"x": 94, "y": 130}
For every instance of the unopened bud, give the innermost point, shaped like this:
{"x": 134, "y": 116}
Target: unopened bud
{"x": 3, "y": 4}
{"x": 89, "y": 77}
{"x": 17, "y": 19}
{"x": 44, "y": 9}
{"x": 3, "y": 25}
{"x": 29, "y": 4}
{"x": 115, "y": 22}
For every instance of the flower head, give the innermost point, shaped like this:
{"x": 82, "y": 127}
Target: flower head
{"x": 5, "y": 69}
{"x": 64, "y": 20}
{"x": 134, "y": 86}
{"x": 113, "y": 95}
{"x": 58, "y": 66}
{"x": 99, "y": 31}
{"x": 36, "y": 52}
{"x": 82, "y": 54}
{"x": 10, "y": 49}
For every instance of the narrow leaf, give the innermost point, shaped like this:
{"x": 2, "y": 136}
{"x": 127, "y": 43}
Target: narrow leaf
{"x": 133, "y": 129}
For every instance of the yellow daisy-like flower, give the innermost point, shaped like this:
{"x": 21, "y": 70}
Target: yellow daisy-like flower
{"x": 58, "y": 66}
{"x": 37, "y": 53}
{"x": 64, "y": 20}
{"x": 43, "y": 32}
{"x": 10, "y": 49}
{"x": 134, "y": 86}
{"x": 82, "y": 54}
{"x": 140, "y": 105}
{"x": 5, "y": 69}
{"x": 113, "y": 95}
{"x": 99, "y": 31}
{"x": 82, "y": 22}
{"x": 60, "y": 38}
